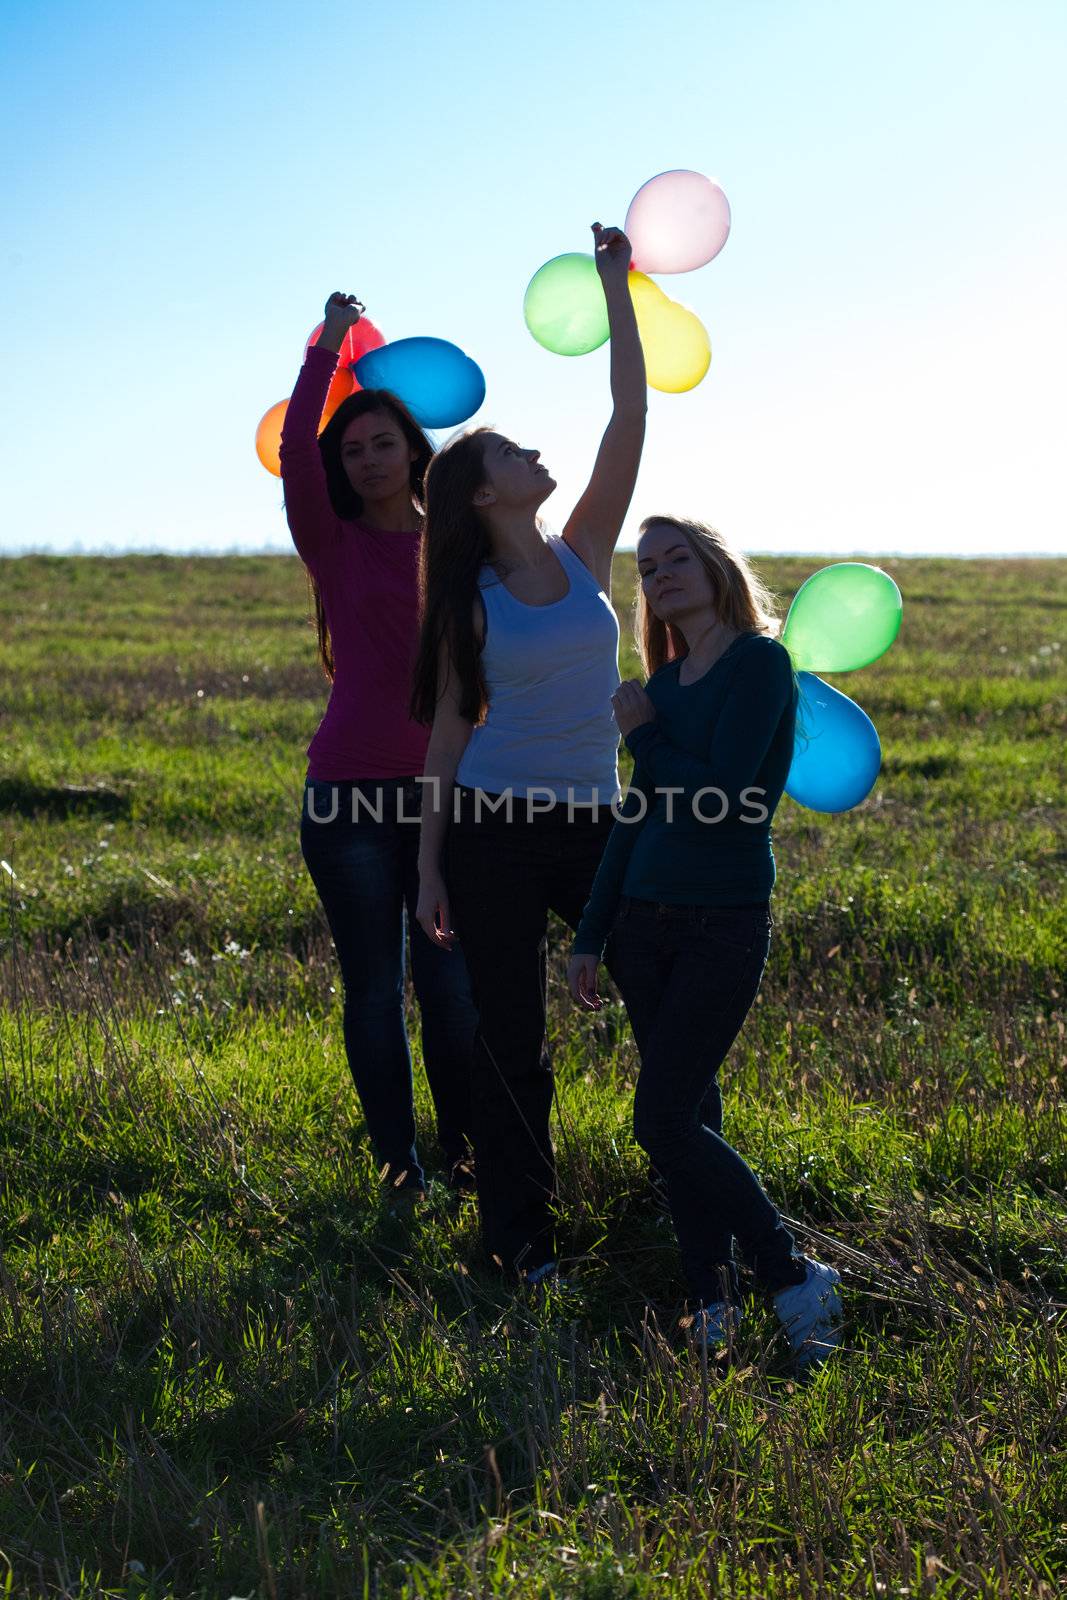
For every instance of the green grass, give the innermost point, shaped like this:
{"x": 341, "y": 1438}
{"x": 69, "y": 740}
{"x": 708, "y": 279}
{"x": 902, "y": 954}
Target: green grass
{"x": 227, "y": 1369}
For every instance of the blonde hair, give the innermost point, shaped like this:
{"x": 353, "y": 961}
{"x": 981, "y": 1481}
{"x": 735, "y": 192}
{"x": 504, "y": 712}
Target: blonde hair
{"x": 739, "y": 597}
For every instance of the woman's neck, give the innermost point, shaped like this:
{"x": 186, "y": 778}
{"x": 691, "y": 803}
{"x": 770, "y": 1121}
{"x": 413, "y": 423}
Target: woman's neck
{"x": 707, "y": 640}
{"x": 395, "y": 514}
{"x": 516, "y": 542}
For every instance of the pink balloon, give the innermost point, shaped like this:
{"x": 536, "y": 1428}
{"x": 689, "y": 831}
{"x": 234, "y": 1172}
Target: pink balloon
{"x": 677, "y": 221}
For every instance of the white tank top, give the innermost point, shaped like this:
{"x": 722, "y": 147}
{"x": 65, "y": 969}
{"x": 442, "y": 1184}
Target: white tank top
{"x": 551, "y": 672}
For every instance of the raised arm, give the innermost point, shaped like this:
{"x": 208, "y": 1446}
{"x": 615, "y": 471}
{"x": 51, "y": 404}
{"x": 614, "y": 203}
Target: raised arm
{"x": 308, "y": 509}
{"x": 594, "y": 525}
{"x": 760, "y": 690}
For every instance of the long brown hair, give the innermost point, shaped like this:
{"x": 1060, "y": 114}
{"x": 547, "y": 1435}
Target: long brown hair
{"x": 345, "y": 501}
{"x": 455, "y": 545}
{"x": 740, "y": 597}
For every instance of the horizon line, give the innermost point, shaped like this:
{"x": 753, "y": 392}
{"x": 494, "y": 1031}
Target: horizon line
{"x": 107, "y": 552}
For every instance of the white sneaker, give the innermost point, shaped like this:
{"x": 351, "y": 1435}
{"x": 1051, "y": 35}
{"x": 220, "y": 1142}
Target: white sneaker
{"x": 717, "y": 1324}
{"x": 812, "y": 1314}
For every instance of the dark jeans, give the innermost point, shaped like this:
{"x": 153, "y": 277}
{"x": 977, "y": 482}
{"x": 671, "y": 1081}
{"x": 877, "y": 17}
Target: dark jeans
{"x": 366, "y": 873}
{"x": 688, "y": 975}
{"x": 503, "y": 877}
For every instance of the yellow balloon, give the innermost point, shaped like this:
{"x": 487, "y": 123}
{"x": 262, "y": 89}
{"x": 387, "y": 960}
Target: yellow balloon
{"x": 646, "y": 295}
{"x": 675, "y": 341}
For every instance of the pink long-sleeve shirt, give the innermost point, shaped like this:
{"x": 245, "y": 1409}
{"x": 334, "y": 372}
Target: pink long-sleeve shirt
{"x": 368, "y": 579}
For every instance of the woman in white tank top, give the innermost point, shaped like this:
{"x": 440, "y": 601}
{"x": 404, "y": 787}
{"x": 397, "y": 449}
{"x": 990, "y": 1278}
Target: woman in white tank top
{"x": 516, "y": 667}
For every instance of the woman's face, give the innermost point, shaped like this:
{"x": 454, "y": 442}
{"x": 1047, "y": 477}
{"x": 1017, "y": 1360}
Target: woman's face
{"x": 674, "y": 582}
{"x": 514, "y": 476}
{"x": 376, "y": 456}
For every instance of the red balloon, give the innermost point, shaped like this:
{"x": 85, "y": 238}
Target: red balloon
{"x": 360, "y": 338}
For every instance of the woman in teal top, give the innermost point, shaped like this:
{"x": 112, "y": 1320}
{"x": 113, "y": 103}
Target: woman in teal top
{"x": 683, "y": 891}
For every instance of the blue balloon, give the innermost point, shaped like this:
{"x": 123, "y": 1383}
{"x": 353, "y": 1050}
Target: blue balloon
{"x": 837, "y": 754}
{"x": 439, "y": 384}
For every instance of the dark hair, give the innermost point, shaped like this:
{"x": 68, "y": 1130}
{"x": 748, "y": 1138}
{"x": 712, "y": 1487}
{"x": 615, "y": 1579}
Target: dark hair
{"x": 344, "y": 499}
{"x": 455, "y": 545}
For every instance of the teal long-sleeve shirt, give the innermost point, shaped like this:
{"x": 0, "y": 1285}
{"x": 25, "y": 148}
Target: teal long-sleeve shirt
{"x": 723, "y": 744}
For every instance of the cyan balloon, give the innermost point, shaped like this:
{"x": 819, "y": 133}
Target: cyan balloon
{"x": 440, "y": 386}
{"x": 836, "y": 754}
{"x": 843, "y": 617}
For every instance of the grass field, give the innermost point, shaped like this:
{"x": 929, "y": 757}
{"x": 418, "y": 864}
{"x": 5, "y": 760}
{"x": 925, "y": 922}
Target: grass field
{"x": 227, "y": 1370}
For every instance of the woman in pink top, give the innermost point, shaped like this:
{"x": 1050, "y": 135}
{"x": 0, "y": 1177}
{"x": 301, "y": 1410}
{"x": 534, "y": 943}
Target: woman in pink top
{"x": 353, "y": 499}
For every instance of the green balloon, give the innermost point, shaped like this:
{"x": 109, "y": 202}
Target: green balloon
{"x": 843, "y": 617}
{"x": 564, "y": 308}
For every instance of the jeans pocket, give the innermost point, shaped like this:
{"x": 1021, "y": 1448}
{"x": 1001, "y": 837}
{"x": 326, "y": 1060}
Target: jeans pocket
{"x": 738, "y": 930}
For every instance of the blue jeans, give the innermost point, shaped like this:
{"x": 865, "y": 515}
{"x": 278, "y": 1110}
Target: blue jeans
{"x": 688, "y": 976}
{"x": 366, "y": 874}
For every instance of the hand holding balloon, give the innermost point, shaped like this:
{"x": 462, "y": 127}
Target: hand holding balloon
{"x": 611, "y": 253}
{"x": 342, "y": 311}
{"x": 680, "y": 220}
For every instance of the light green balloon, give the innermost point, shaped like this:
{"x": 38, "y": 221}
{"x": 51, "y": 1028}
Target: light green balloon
{"x": 843, "y": 617}
{"x": 564, "y": 308}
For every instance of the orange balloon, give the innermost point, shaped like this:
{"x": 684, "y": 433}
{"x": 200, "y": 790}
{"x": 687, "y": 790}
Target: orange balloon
{"x": 269, "y": 431}
{"x": 342, "y": 385}
{"x": 269, "y": 437}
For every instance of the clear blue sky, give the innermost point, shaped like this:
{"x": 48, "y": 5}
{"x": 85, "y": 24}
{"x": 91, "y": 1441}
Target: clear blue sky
{"x": 186, "y": 183}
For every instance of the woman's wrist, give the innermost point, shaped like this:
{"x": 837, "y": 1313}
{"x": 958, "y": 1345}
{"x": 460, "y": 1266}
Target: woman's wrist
{"x": 331, "y": 338}
{"x": 616, "y": 288}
